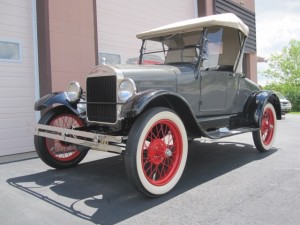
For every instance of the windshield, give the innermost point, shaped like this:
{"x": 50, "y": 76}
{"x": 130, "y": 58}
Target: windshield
{"x": 178, "y": 48}
{"x": 220, "y": 52}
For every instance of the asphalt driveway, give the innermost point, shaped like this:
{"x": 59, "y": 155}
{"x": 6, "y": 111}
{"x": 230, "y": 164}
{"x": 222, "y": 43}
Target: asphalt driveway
{"x": 225, "y": 182}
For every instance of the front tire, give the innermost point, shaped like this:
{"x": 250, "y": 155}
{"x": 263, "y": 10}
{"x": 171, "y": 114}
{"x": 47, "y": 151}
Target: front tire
{"x": 55, "y": 153}
{"x": 156, "y": 152}
{"x": 264, "y": 138}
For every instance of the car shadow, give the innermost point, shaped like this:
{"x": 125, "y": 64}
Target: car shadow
{"x": 100, "y": 192}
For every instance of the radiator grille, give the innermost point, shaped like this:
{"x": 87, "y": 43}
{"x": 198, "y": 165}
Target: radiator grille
{"x": 101, "y": 99}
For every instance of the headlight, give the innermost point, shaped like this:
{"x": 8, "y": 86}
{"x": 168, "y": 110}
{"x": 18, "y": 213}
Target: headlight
{"x": 126, "y": 90}
{"x": 74, "y": 91}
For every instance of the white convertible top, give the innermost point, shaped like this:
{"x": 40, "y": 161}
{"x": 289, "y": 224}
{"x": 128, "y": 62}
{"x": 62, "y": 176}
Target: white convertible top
{"x": 197, "y": 24}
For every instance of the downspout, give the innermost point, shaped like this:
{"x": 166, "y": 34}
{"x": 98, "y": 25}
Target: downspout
{"x": 35, "y": 56}
{"x": 196, "y": 14}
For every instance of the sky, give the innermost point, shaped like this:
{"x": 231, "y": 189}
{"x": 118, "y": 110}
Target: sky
{"x": 277, "y": 22}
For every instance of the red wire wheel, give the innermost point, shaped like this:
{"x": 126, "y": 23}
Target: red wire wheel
{"x": 264, "y": 137}
{"x": 162, "y": 152}
{"x": 55, "y": 153}
{"x": 267, "y": 127}
{"x": 60, "y": 150}
{"x": 156, "y": 152}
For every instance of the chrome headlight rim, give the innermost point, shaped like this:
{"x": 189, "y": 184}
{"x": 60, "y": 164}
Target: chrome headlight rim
{"x": 74, "y": 92}
{"x": 126, "y": 90}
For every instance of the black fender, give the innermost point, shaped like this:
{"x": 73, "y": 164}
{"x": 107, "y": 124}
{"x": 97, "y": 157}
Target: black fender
{"x": 253, "y": 110}
{"x": 55, "y": 98}
{"x": 163, "y": 98}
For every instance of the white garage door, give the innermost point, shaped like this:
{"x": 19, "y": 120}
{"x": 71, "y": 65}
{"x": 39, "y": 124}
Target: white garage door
{"x": 119, "y": 21}
{"x": 17, "y": 76}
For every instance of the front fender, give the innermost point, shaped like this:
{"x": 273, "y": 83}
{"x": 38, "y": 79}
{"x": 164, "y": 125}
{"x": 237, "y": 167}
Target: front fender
{"x": 163, "y": 98}
{"x": 141, "y": 100}
{"x": 55, "y": 98}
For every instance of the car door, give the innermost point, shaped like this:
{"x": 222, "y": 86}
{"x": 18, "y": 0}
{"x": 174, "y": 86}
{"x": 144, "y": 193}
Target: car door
{"x": 219, "y": 83}
{"x": 213, "y": 88}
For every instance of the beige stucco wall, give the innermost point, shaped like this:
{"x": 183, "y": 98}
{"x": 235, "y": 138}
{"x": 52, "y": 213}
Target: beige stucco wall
{"x": 72, "y": 29}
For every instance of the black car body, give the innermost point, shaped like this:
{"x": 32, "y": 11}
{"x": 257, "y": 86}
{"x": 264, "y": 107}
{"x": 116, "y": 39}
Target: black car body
{"x": 149, "y": 112}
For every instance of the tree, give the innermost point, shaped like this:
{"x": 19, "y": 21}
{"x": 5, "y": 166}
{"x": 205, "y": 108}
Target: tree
{"x": 284, "y": 72}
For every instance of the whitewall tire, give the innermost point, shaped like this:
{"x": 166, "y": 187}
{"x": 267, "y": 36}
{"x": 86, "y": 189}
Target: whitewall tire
{"x": 156, "y": 151}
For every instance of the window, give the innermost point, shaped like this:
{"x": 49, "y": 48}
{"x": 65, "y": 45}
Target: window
{"x": 109, "y": 59}
{"x": 10, "y": 51}
{"x": 154, "y": 52}
{"x": 222, "y": 48}
{"x": 214, "y": 47}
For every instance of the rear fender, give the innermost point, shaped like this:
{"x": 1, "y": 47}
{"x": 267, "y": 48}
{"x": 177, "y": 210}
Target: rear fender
{"x": 256, "y": 103}
{"x": 60, "y": 98}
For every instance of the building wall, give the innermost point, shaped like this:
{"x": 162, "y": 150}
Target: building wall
{"x": 248, "y": 4}
{"x": 206, "y": 7}
{"x": 17, "y": 78}
{"x": 119, "y": 22}
{"x": 69, "y": 38}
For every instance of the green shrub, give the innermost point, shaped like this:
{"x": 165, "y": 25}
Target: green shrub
{"x": 292, "y": 93}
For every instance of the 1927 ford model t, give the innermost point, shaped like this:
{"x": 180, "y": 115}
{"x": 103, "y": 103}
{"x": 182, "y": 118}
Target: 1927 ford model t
{"x": 150, "y": 112}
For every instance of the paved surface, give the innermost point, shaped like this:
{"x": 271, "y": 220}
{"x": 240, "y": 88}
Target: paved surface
{"x": 225, "y": 182}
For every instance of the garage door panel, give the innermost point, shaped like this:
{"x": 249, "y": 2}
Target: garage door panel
{"x": 10, "y": 70}
{"x": 16, "y": 102}
{"x": 15, "y": 133}
{"x": 24, "y": 144}
{"x": 17, "y": 123}
{"x": 118, "y": 26}
{"x": 11, "y": 81}
{"x": 12, "y": 111}
{"x": 17, "y": 78}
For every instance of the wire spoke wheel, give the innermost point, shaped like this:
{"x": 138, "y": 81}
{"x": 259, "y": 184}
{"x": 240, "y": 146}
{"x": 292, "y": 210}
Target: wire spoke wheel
{"x": 267, "y": 129}
{"x": 161, "y": 152}
{"x": 264, "y": 138}
{"x": 55, "y": 153}
{"x": 58, "y": 149}
{"x": 156, "y": 152}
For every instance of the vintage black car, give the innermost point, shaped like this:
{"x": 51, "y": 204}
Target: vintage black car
{"x": 150, "y": 112}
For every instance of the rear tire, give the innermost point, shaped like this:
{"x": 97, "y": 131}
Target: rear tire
{"x": 156, "y": 152}
{"x": 264, "y": 137}
{"x": 55, "y": 153}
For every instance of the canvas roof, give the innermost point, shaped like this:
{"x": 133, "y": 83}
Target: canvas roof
{"x": 197, "y": 24}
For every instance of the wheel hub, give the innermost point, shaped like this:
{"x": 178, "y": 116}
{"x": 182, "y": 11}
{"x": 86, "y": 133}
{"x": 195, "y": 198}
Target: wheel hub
{"x": 158, "y": 151}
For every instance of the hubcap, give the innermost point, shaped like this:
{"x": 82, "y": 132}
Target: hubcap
{"x": 158, "y": 151}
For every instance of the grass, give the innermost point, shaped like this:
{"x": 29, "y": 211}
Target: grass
{"x": 296, "y": 113}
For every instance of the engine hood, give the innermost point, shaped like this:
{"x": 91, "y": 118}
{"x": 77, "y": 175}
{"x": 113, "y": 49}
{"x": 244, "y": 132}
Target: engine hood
{"x": 151, "y": 76}
{"x": 144, "y": 76}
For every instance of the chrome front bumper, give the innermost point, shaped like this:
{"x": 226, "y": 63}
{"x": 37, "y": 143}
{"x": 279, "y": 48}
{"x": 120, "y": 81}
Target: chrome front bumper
{"x": 94, "y": 141}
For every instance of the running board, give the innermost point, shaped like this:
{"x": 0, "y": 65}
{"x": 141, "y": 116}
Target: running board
{"x": 225, "y": 132}
{"x": 94, "y": 141}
